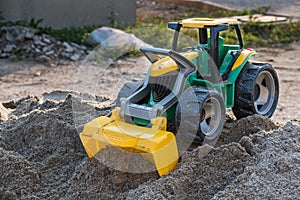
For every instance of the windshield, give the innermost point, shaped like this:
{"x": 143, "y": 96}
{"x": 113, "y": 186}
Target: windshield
{"x": 186, "y": 38}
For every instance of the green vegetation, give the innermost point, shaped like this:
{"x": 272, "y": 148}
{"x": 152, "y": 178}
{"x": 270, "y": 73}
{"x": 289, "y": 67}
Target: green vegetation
{"x": 77, "y": 35}
{"x": 255, "y": 34}
{"x": 258, "y": 34}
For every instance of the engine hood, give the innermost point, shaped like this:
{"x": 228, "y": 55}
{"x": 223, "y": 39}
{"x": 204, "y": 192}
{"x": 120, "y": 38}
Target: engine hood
{"x": 167, "y": 64}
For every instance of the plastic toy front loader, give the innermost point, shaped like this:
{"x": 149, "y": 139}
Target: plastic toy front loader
{"x": 154, "y": 141}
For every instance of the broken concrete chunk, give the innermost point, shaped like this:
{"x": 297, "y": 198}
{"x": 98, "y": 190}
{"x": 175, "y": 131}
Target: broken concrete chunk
{"x": 75, "y": 57}
{"x": 8, "y": 48}
{"x": 69, "y": 49}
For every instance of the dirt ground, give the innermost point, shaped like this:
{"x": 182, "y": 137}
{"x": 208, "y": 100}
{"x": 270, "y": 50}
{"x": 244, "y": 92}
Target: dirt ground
{"x": 20, "y": 79}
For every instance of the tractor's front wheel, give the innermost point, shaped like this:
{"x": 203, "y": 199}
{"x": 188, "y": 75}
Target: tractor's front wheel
{"x": 200, "y": 114}
{"x": 256, "y": 91}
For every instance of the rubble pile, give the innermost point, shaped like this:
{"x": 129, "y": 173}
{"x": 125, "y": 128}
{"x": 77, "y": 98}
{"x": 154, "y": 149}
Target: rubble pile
{"x": 28, "y": 43}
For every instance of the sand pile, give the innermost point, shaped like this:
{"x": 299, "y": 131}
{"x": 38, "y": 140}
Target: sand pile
{"x": 41, "y": 157}
{"x": 262, "y": 165}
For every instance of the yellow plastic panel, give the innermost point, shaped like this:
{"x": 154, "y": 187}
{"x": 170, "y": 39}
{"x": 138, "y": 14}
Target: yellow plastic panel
{"x": 167, "y": 64}
{"x": 206, "y": 22}
{"x": 163, "y": 149}
{"x": 242, "y": 57}
{"x": 155, "y": 141}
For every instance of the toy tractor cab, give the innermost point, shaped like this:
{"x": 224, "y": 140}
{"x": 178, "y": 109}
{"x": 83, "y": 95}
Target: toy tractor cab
{"x": 215, "y": 44}
{"x": 190, "y": 90}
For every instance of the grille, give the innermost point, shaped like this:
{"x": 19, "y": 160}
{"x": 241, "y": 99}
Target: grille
{"x": 162, "y": 86}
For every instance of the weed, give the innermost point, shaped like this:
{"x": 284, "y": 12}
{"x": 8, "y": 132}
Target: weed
{"x": 15, "y": 57}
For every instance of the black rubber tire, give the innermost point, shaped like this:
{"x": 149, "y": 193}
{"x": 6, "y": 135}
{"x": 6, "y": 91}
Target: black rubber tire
{"x": 248, "y": 92}
{"x": 128, "y": 89}
{"x": 190, "y": 114}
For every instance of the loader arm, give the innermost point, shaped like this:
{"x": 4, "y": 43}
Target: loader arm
{"x": 129, "y": 106}
{"x": 119, "y": 130}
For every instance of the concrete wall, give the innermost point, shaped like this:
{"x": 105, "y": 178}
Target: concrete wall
{"x": 68, "y": 13}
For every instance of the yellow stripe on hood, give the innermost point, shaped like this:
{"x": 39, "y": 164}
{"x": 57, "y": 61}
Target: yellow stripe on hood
{"x": 167, "y": 64}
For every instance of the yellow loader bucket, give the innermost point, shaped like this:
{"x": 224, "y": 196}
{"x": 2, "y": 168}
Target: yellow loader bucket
{"x": 158, "y": 142}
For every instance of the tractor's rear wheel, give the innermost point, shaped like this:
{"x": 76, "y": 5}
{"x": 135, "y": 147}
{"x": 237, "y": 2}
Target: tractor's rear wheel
{"x": 256, "y": 91}
{"x": 127, "y": 90}
{"x": 201, "y": 114}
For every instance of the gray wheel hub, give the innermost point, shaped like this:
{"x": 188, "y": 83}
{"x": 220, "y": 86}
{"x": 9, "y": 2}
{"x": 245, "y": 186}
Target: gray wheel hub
{"x": 211, "y": 117}
{"x": 264, "y": 92}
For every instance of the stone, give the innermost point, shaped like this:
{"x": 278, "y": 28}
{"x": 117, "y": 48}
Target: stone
{"x": 37, "y": 41}
{"x": 9, "y": 37}
{"x": 115, "y": 40}
{"x": 3, "y": 112}
{"x": 45, "y": 49}
{"x": 46, "y": 40}
{"x": 78, "y": 46}
{"x": 69, "y": 49}
{"x": 99, "y": 35}
{"x": 9, "y": 48}
{"x": 75, "y": 57}
{"x": 44, "y": 58}
{"x": 37, "y": 73}
{"x": 4, "y": 55}
{"x": 29, "y": 34}
{"x": 50, "y": 53}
